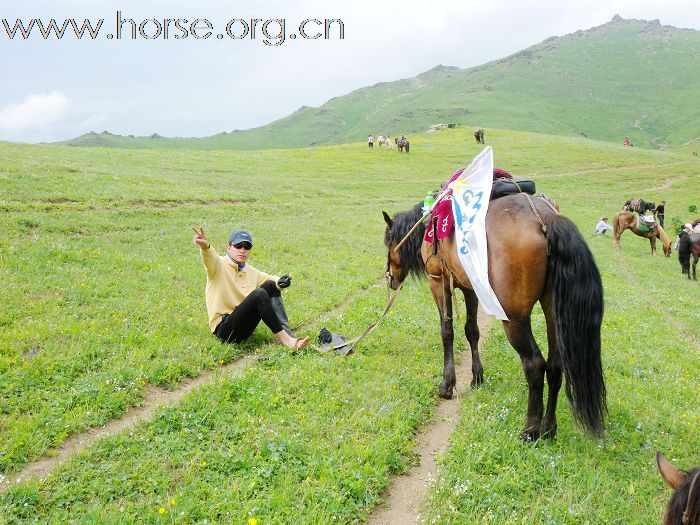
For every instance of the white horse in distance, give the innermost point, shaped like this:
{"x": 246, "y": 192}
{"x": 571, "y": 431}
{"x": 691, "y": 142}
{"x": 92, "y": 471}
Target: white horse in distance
{"x": 384, "y": 140}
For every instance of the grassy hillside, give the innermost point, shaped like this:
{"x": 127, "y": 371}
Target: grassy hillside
{"x": 627, "y": 78}
{"x": 103, "y": 298}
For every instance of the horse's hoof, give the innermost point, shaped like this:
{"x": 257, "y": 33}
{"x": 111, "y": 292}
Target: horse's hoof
{"x": 530, "y": 436}
{"x": 445, "y": 393}
{"x": 477, "y": 379}
{"x": 549, "y": 431}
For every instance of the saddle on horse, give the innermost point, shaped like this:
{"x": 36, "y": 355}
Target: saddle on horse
{"x": 646, "y": 223}
{"x": 639, "y": 205}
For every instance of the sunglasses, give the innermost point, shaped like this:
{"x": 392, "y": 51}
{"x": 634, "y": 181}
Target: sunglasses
{"x": 243, "y": 246}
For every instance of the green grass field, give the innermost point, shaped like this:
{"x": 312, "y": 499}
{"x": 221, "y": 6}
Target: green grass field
{"x": 103, "y": 297}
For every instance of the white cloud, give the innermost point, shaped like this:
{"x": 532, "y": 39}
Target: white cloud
{"x": 35, "y": 116}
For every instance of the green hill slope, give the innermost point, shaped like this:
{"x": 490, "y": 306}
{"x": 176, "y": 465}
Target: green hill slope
{"x": 626, "y": 78}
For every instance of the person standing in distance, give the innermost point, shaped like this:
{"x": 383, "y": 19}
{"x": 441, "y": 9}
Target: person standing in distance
{"x": 660, "y": 212}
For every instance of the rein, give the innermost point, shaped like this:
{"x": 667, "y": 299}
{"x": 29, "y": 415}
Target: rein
{"x": 441, "y": 276}
{"x": 351, "y": 344}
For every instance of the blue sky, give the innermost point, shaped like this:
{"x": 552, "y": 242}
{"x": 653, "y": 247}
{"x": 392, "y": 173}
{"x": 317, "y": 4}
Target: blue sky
{"x": 56, "y": 89}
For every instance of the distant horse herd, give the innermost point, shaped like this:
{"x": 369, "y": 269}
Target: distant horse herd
{"x": 402, "y": 143}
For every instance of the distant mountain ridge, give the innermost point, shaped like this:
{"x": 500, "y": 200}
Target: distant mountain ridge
{"x": 625, "y": 78}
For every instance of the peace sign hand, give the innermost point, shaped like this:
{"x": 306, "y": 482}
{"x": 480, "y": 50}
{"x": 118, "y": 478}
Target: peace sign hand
{"x": 201, "y": 238}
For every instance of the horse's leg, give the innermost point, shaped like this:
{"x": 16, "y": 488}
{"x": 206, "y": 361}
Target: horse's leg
{"x": 652, "y": 241}
{"x": 617, "y": 233}
{"x": 554, "y": 372}
{"x": 519, "y": 334}
{"x": 695, "y": 263}
{"x": 471, "y": 330}
{"x": 443, "y": 300}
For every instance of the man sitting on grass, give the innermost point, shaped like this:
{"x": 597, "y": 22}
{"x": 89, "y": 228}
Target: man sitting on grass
{"x": 602, "y": 226}
{"x": 239, "y": 296}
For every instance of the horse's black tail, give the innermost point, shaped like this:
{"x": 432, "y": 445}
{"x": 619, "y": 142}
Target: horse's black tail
{"x": 577, "y": 298}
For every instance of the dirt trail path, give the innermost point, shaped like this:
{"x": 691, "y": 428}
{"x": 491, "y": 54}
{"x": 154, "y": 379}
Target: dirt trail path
{"x": 154, "y": 398}
{"x": 405, "y": 497}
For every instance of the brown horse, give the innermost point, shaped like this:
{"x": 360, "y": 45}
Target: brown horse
{"x": 684, "y": 506}
{"x": 689, "y": 245}
{"x": 626, "y": 220}
{"x": 526, "y": 265}
{"x": 479, "y": 136}
{"x": 402, "y": 143}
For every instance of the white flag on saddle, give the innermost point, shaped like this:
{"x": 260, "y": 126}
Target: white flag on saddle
{"x": 471, "y": 192}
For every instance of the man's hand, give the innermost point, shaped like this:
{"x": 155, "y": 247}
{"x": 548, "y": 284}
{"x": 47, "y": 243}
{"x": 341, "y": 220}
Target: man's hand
{"x": 201, "y": 238}
{"x": 284, "y": 281}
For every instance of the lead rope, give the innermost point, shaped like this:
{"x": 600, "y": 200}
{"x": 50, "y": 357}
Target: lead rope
{"x": 351, "y": 344}
{"x": 454, "y": 296}
{"x": 452, "y": 293}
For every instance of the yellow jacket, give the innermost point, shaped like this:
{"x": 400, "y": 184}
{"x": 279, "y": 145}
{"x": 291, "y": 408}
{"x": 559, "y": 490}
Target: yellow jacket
{"x": 227, "y": 286}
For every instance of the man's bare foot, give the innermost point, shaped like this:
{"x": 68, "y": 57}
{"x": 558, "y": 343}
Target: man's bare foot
{"x": 301, "y": 343}
{"x": 292, "y": 343}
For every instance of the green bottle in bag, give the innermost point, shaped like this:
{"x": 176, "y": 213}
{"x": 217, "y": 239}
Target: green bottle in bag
{"x": 428, "y": 202}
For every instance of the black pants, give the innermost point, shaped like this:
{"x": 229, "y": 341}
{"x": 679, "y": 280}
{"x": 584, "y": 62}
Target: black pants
{"x": 256, "y": 307}
{"x": 660, "y": 216}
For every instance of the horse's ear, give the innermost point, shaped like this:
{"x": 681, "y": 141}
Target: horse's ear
{"x": 672, "y": 475}
{"x": 387, "y": 220}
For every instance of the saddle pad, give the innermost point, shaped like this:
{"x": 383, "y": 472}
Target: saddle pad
{"x": 645, "y": 223}
{"x": 445, "y": 220}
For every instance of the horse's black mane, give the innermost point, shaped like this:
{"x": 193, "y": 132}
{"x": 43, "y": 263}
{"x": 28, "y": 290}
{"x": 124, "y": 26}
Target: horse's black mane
{"x": 679, "y": 501}
{"x": 411, "y": 259}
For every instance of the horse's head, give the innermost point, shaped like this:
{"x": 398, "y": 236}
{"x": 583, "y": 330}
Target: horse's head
{"x": 395, "y": 272}
{"x": 684, "y": 506}
{"x": 665, "y": 241}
